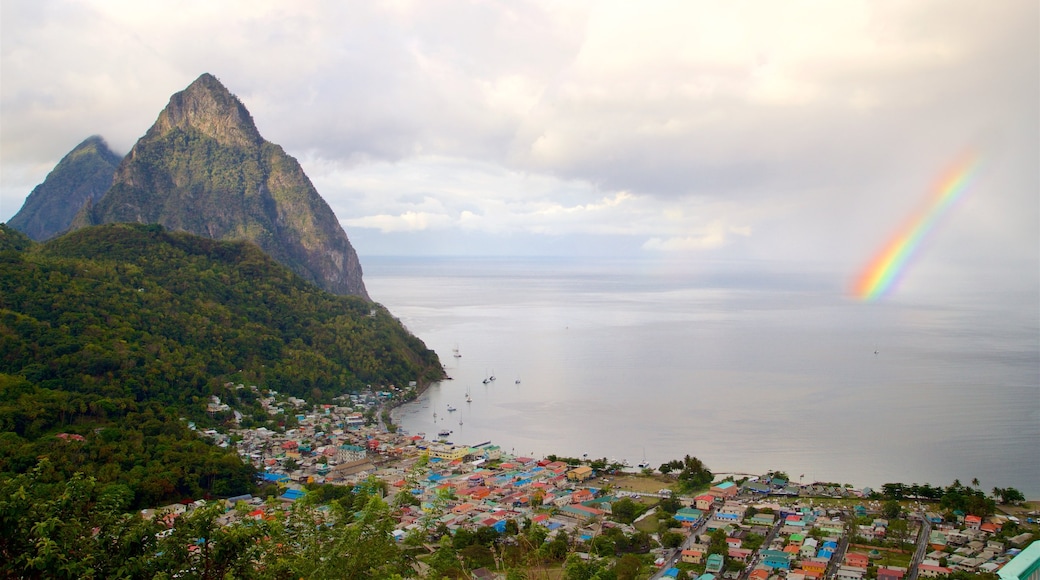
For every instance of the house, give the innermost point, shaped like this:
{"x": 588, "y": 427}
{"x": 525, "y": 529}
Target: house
{"x": 725, "y": 489}
{"x": 808, "y": 548}
{"x": 1024, "y": 566}
{"x": 815, "y": 565}
{"x": 759, "y": 574}
{"x": 581, "y": 495}
{"x": 580, "y": 511}
{"x": 851, "y": 573}
{"x": 731, "y": 511}
{"x": 714, "y": 564}
{"x": 580, "y": 473}
{"x": 694, "y": 554}
{"x": 763, "y": 519}
{"x": 739, "y": 554}
{"x": 688, "y": 515}
{"x": 349, "y": 453}
{"x": 757, "y": 487}
{"x": 703, "y": 501}
{"x": 857, "y": 559}
{"x": 890, "y": 573}
{"x": 972, "y": 522}
{"x": 776, "y": 559}
{"x": 932, "y": 571}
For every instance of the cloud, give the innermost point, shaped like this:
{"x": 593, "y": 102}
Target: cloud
{"x": 714, "y": 236}
{"x": 666, "y": 126}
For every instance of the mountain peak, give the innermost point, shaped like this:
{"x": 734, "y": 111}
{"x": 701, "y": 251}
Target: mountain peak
{"x": 207, "y": 106}
{"x": 203, "y": 168}
{"x": 79, "y": 179}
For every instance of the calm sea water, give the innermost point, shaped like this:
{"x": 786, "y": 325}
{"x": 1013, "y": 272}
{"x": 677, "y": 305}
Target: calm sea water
{"x": 746, "y": 368}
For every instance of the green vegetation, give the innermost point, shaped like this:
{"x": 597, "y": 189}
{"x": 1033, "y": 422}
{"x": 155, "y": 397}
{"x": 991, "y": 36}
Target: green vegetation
{"x": 954, "y": 497}
{"x": 204, "y": 168}
{"x": 79, "y": 529}
{"x": 115, "y": 333}
{"x": 693, "y": 474}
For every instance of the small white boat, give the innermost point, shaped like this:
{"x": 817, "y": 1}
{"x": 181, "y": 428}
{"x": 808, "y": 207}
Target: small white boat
{"x": 443, "y": 433}
{"x": 450, "y": 408}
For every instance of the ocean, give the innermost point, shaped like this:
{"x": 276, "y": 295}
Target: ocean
{"x": 748, "y": 367}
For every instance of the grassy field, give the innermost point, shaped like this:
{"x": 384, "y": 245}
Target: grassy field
{"x": 640, "y": 483}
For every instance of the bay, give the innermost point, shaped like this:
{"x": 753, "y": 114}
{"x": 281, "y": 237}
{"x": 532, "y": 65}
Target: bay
{"x": 749, "y": 367}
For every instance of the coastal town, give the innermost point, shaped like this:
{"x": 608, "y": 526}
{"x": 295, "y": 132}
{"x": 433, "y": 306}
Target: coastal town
{"x": 765, "y": 527}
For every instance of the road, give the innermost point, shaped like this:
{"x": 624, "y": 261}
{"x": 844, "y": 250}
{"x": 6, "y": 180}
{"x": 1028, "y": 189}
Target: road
{"x": 922, "y": 546}
{"x": 765, "y": 546}
{"x": 673, "y": 555}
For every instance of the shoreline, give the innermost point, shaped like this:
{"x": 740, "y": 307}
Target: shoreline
{"x": 1028, "y": 505}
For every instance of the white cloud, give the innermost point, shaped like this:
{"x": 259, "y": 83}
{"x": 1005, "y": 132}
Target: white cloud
{"x": 715, "y": 235}
{"x": 671, "y": 125}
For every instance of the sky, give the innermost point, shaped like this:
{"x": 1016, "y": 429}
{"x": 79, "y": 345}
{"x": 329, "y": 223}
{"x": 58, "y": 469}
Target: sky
{"x": 778, "y": 133}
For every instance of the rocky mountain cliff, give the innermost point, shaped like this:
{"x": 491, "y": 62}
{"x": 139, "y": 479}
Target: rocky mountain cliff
{"x": 203, "y": 168}
{"x": 81, "y": 177}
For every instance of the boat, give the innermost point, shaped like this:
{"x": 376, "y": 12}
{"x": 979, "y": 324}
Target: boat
{"x": 460, "y": 422}
{"x": 469, "y": 399}
{"x": 443, "y": 433}
{"x": 455, "y": 352}
{"x": 517, "y": 380}
{"x": 645, "y": 464}
{"x": 450, "y": 408}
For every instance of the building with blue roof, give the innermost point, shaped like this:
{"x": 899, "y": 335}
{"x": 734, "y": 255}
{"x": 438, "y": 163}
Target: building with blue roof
{"x": 292, "y": 494}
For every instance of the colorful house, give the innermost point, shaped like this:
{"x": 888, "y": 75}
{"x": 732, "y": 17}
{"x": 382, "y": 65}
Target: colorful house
{"x": 580, "y": 473}
{"x": 857, "y": 560}
{"x": 815, "y": 565}
{"x": 694, "y": 554}
{"x": 776, "y": 559}
{"x": 724, "y": 489}
{"x": 703, "y": 501}
{"x": 890, "y": 573}
{"x": 714, "y": 564}
{"x": 688, "y": 515}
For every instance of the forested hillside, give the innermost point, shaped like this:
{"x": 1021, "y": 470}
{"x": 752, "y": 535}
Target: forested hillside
{"x": 120, "y": 333}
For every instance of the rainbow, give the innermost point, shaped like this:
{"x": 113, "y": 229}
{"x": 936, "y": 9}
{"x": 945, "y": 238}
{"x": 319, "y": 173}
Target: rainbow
{"x": 889, "y": 264}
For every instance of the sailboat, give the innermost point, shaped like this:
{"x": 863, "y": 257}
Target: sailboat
{"x": 517, "y": 380}
{"x": 645, "y": 464}
{"x": 455, "y": 352}
{"x": 469, "y": 399}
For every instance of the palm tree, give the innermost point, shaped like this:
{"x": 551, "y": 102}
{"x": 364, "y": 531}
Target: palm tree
{"x": 975, "y": 482}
